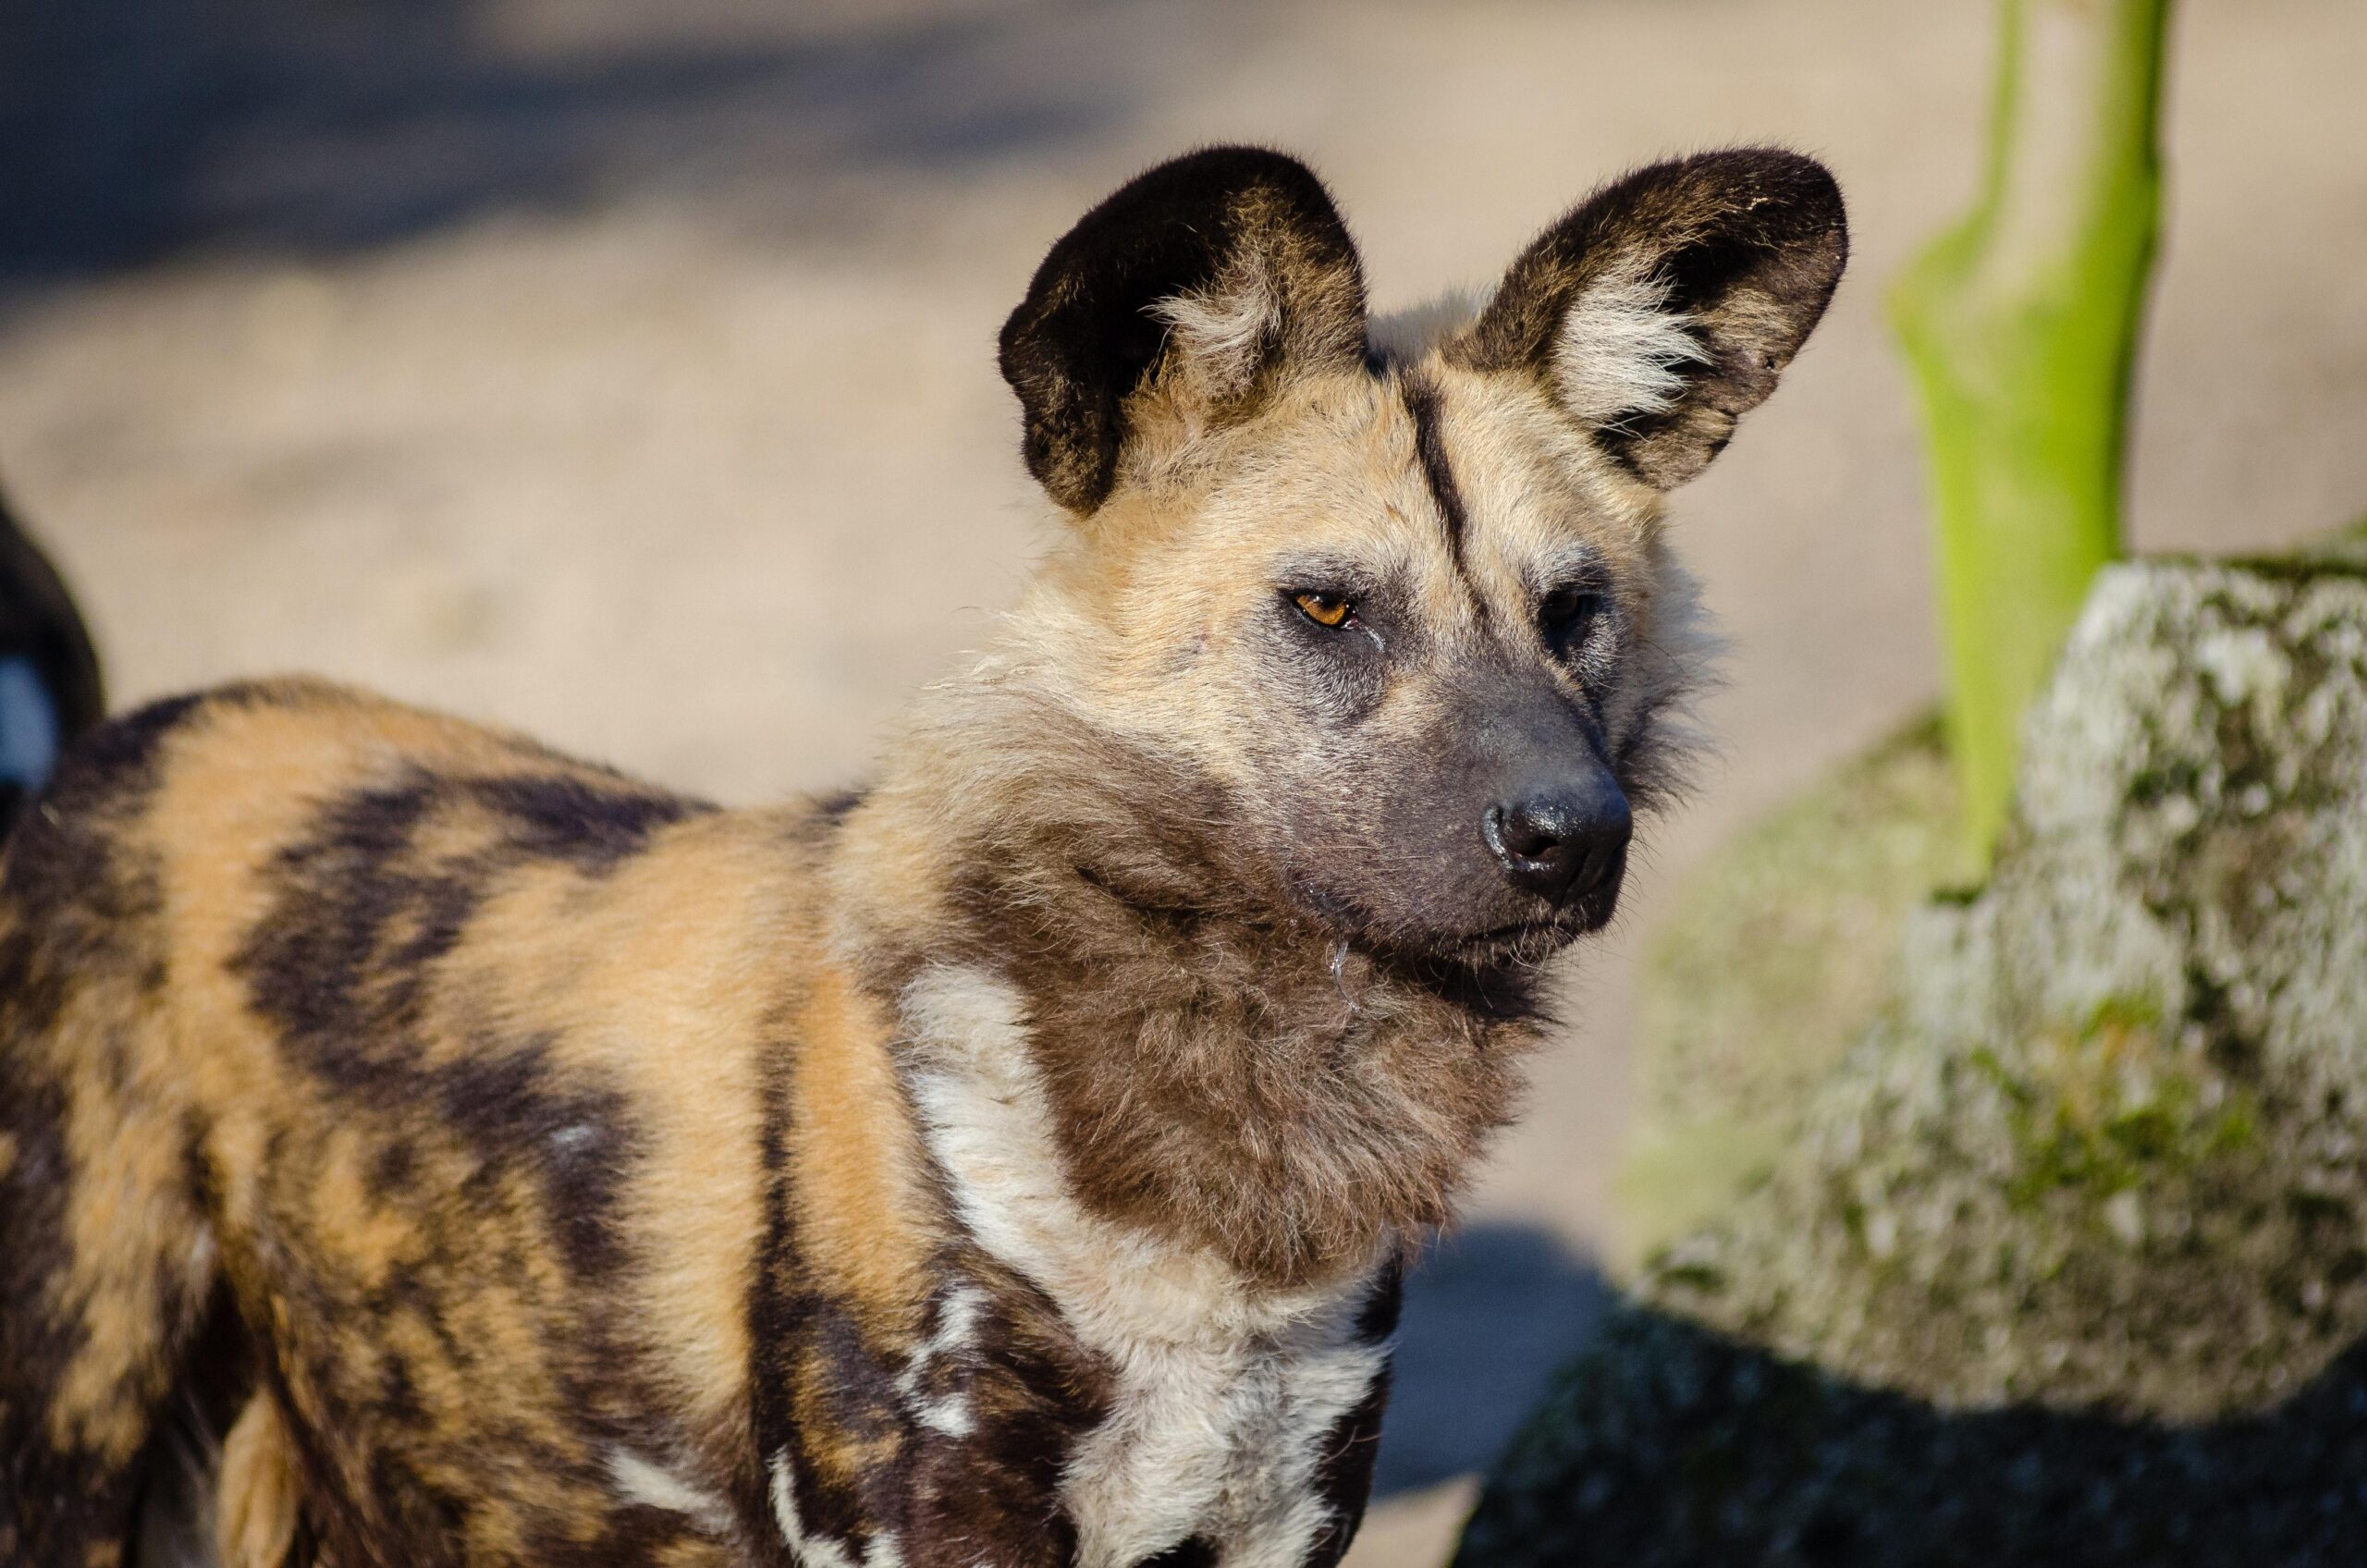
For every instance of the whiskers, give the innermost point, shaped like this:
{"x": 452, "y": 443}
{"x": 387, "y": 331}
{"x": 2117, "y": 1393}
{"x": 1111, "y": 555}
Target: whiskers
{"x": 1339, "y": 973}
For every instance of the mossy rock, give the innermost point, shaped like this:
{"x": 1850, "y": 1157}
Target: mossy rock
{"x": 1775, "y": 959}
{"x": 2066, "y": 1260}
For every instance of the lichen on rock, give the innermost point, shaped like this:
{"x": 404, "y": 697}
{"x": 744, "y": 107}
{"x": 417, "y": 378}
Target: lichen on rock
{"x": 1777, "y": 957}
{"x": 2090, "y": 1191}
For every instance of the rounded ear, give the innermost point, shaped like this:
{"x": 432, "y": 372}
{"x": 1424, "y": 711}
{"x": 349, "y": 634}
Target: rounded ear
{"x": 1207, "y": 277}
{"x": 1663, "y": 307}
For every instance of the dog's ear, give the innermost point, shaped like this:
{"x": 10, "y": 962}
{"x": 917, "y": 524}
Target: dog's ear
{"x": 1200, "y": 283}
{"x": 1664, "y": 306}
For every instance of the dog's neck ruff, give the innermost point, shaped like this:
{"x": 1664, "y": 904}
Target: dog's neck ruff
{"x": 987, "y": 1120}
{"x": 1195, "y": 1065}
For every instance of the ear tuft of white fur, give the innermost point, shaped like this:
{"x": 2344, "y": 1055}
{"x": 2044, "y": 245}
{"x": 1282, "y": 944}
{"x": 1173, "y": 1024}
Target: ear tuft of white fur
{"x": 1621, "y": 352}
{"x": 1221, "y": 335}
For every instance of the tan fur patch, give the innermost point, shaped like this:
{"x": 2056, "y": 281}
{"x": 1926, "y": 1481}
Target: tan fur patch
{"x": 259, "y": 1491}
{"x": 860, "y": 1198}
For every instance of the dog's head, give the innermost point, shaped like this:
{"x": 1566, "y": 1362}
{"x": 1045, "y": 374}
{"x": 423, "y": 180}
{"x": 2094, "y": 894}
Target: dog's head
{"x": 1401, "y": 594}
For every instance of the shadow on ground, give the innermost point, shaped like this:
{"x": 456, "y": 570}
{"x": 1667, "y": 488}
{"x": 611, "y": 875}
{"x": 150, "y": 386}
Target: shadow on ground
{"x": 288, "y": 126}
{"x": 1668, "y": 1445}
{"x": 1490, "y": 1313}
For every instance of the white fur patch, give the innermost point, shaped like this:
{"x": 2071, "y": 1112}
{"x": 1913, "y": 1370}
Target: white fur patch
{"x": 1224, "y": 1394}
{"x": 1619, "y": 351}
{"x": 820, "y": 1552}
{"x": 1327, "y": 1376}
{"x": 656, "y": 1487}
{"x": 984, "y": 1113}
{"x": 1223, "y": 333}
{"x": 957, "y": 1324}
{"x": 1220, "y": 1442}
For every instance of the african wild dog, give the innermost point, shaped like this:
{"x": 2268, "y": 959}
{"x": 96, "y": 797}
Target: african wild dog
{"x": 1009, "y": 1163}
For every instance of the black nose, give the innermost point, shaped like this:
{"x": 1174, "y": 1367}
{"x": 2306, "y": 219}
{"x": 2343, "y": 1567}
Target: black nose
{"x": 1565, "y": 844}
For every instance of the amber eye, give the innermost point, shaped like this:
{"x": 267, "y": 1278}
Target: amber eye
{"x": 1324, "y": 609}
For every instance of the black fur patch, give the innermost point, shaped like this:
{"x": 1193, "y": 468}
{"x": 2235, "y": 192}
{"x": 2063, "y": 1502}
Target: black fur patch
{"x": 344, "y": 962}
{"x": 1344, "y": 1479}
{"x": 840, "y": 804}
{"x": 364, "y": 911}
{"x": 504, "y": 1097}
{"x": 564, "y": 817}
{"x": 1034, "y": 1392}
{"x": 1429, "y": 449}
{"x": 34, "y": 1343}
{"x": 1378, "y": 1319}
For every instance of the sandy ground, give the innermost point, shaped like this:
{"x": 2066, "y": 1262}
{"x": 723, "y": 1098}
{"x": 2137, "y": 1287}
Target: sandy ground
{"x": 624, "y": 373}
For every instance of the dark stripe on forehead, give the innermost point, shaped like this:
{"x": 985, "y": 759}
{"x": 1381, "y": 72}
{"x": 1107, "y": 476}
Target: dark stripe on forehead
{"x": 1430, "y": 450}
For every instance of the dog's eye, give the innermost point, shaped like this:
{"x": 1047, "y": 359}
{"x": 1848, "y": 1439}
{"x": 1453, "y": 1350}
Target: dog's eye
{"x": 1566, "y": 616}
{"x": 1324, "y": 609}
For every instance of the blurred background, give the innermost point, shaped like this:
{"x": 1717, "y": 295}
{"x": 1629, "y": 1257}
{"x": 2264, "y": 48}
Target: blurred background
{"x": 624, "y": 373}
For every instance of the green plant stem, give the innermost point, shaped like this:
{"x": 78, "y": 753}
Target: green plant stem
{"x": 2020, "y": 326}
